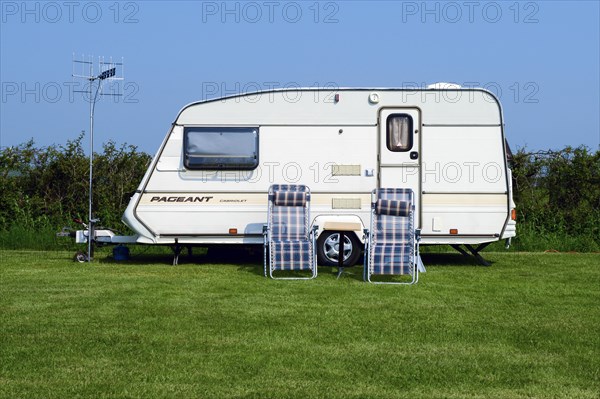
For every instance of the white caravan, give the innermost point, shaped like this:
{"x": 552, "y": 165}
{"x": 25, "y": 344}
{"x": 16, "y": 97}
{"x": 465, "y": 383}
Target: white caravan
{"x": 208, "y": 182}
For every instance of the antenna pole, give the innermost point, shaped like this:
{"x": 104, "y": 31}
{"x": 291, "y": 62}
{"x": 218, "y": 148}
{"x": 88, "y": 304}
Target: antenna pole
{"x": 108, "y": 71}
{"x": 91, "y": 220}
{"x": 90, "y": 193}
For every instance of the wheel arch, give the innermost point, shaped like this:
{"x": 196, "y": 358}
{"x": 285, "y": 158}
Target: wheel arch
{"x": 348, "y": 223}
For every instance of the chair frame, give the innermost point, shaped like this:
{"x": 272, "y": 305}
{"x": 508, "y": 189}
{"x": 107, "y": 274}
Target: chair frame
{"x": 268, "y": 255}
{"x": 414, "y": 268}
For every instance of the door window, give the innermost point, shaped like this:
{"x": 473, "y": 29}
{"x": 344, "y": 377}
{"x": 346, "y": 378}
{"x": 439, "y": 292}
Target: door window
{"x": 399, "y": 132}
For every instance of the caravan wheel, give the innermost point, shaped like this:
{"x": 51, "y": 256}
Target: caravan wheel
{"x": 328, "y": 248}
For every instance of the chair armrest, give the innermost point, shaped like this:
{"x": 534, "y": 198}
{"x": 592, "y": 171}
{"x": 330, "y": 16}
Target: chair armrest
{"x": 366, "y": 256}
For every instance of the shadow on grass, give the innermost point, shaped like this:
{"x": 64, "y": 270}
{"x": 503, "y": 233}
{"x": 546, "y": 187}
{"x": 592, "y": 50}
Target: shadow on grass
{"x": 240, "y": 257}
{"x": 449, "y": 259}
{"x": 250, "y": 259}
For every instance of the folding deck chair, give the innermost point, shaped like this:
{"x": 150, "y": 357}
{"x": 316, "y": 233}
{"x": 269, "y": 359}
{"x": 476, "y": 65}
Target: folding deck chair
{"x": 392, "y": 242}
{"x": 289, "y": 242}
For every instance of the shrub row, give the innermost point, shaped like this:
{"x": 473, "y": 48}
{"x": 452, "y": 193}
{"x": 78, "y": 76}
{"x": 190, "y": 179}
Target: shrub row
{"x": 48, "y": 186}
{"x": 557, "y": 192}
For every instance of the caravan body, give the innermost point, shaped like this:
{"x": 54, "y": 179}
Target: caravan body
{"x": 208, "y": 182}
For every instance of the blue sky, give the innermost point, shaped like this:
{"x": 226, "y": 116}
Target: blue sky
{"x": 541, "y": 58}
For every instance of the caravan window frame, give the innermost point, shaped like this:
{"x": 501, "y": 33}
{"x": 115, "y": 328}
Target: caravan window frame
{"x": 394, "y": 147}
{"x": 226, "y": 159}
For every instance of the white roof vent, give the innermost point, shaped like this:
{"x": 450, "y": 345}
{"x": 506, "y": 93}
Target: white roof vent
{"x": 443, "y": 85}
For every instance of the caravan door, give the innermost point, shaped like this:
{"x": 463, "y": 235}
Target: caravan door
{"x": 400, "y": 151}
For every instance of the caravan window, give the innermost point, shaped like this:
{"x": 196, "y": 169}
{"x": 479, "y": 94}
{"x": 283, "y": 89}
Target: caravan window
{"x": 218, "y": 148}
{"x": 399, "y": 132}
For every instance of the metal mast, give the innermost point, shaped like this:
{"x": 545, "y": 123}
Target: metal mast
{"x": 107, "y": 72}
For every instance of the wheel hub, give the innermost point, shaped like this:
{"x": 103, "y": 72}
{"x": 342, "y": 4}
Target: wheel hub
{"x": 332, "y": 247}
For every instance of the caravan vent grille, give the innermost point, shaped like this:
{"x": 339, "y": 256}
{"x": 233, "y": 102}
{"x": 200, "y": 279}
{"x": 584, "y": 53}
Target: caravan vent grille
{"x": 345, "y": 203}
{"x": 345, "y": 170}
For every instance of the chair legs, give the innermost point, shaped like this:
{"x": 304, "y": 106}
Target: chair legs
{"x": 275, "y": 256}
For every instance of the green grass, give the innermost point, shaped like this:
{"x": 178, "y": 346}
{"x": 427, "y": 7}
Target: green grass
{"x": 527, "y": 327}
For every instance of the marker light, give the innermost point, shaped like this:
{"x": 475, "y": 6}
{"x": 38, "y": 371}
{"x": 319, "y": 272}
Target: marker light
{"x": 453, "y": 231}
{"x": 233, "y": 231}
{"x": 513, "y": 214}
{"x": 373, "y": 98}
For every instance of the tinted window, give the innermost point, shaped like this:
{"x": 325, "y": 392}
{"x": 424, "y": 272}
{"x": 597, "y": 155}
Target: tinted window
{"x": 218, "y": 148}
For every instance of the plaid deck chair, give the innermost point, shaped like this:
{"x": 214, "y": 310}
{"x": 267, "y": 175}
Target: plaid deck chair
{"x": 392, "y": 244}
{"x": 288, "y": 239}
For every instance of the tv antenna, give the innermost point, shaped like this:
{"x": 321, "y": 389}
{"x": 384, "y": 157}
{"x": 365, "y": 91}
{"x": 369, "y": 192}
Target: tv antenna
{"x": 107, "y": 71}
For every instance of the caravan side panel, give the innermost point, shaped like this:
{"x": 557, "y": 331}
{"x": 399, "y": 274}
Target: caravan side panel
{"x": 334, "y": 147}
{"x": 464, "y": 182}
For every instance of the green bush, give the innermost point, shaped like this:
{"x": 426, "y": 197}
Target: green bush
{"x": 558, "y": 199}
{"x": 43, "y": 189}
{"x": 557, "y": 193}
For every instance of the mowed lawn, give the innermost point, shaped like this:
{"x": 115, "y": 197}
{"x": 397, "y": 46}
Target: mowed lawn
{"x": 527, "y": 327}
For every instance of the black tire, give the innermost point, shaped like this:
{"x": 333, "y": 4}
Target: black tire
{"x": 327, "y": 248}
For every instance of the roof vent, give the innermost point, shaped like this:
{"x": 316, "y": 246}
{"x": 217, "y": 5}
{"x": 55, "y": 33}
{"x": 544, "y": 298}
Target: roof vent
{"x": 443, "y": 85}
